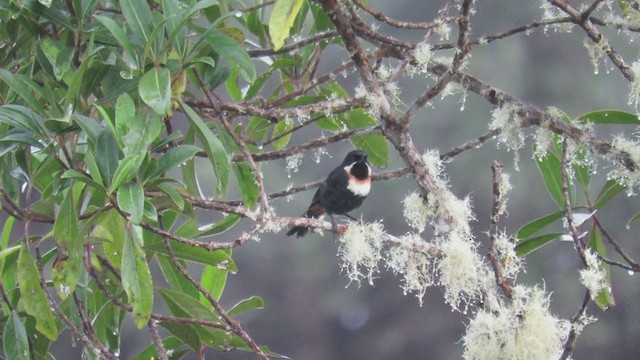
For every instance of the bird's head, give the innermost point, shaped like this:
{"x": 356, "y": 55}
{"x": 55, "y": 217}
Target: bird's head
{"x": 355, "y": 156}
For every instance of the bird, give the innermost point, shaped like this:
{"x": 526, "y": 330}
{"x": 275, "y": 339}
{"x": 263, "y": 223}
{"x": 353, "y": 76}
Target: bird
{"x": 344, "y": 190}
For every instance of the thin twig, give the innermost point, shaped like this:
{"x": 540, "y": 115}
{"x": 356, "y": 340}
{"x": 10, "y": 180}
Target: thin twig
{"x": 573, "y": 334}
{"x": 494, "y": 255}
{"x": 157, "y": 340}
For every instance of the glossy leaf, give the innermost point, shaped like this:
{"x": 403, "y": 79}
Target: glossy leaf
{"x": 213, "y": 279}
{"x": 233, "y": 52}
{"x": 22, "y": 86}
{"x": 550, "y": 169}
{"x": 527, "y": 246}
{"x": 181, "y": 304}
{"x": 213, "y": 147}
{"x": 604, "y": 299}
{"x": 200, "y": 255}
{"x": 77, "y": 175}
{"x": 175, "y": 348}
{"x": 137, "y": 15}
{"x": 252, "y": 303}
{"x": 247, "y": 183}
{"x": 610, "y": 117}
{"x": 219, "y": 227}
{"x": 125, "y": 113}
{"x": 111, "y": 230}
{"x": 131, "y": 201}
{"x": 174, "y": 157}
{"x": 129, "y": 57}
{"x": 282, "y": 17}
{"x": 66, "y": 270}
{"x": 282, "y": 127}
{"x": 127, "y": 170}
{"x": 376, "y": 146}
{"x": 173, "y": 194}
{"x": 35, "y": 303}
{"x": 155, "y": 90}
{"x": 538, "y": 224}
{"x": 107, "y": 161}
{"x": 174, "y": 277}
{"x": 136, "y": 277}
{"x": 15, "y": 339}
{"x": 608, "y": 192}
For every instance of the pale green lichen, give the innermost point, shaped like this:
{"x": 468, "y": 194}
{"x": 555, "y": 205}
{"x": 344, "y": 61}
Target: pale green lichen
{"x": 634, "y": 86}
{"x": 506, "y": 119}
{"x": 620, "y": 172}
{"x": 415, "y": 211}
{"x": 593, "y": 277}
{"x": 523, "y": 330}
{"x": 361, "y": 250}
{"x": 416, "y": 268}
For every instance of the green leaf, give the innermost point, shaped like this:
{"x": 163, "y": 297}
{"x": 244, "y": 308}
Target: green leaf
{"x": 173, "y": 194}
{"x": 77, "y": 79}
{"x": 608, "y": 192}
{"x": 538, "y": 224}
{"x": 131, "y": 200}
{"x": 174, "y": 277}
{"x": 125, "y": 113}
{"x": 180, "y": 304}
{"x": 232, "y": 86}
{"x": 189, "y": 175}
{"x": 77, "y": 175}
{"x": 127, "y": 170}
{"x": 21, "y": 85}
{"x": 15, "y": 339}
{"x": 66, "y": 270}
{"x": 93, "y": 168}
{"x": 174, "y": 157}
{"x": 604, "y": 299}
{"x": 610, "y": 117}
{"x": 138, "y": 17}
{"x": 218, "y": 258}
{"x": 136, "y": 278}
{"x": 234, "y": 53}
{"x": 635, "y": 217}
{"x": 34, "y": 299}
{"x": 247, "y": 183}
{"x": 257, "y": 85}
{"x": 90, "y": 126}
{"x": 20, "y": 117}
{"x": 529, "y": 245}
{"x": 107, "y": 323}
{"x": 107, "y": 149}
{"x": 175, "y": 348}
{"x": 111, "y": 228}
{"x": 375, "y": 145}
{"x": 282, "y": 18}
{"x": 252, "y": 303}
{"x": 213, "y": 147}
{"x": 550, "y": 169}
{"x": 120, "y": 36}
{"x": 219, "y": 227}
{"x": 282, "y": 127}
{"x": 155, "y": 90}
{"x": 213, "y": 279}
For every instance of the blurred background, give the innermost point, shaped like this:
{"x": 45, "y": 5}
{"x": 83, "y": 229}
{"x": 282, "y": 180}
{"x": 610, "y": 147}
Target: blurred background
{"x": 313, "y": 313}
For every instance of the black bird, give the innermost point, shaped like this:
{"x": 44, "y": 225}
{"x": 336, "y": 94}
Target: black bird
{"x": 342, "y": 191}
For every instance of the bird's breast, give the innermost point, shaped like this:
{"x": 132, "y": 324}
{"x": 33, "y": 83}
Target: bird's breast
{"x": 359, "y": 187}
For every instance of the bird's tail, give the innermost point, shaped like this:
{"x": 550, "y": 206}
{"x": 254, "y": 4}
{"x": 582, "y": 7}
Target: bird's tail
{"x": 314, "y": 211}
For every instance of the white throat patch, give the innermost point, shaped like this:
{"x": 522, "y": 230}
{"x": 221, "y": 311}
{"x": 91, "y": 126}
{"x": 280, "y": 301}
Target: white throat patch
{"x": 356, "y": 186}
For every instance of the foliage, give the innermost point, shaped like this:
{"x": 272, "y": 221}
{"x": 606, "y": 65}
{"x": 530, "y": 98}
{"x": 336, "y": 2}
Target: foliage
{"x": 113, "y": 113}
